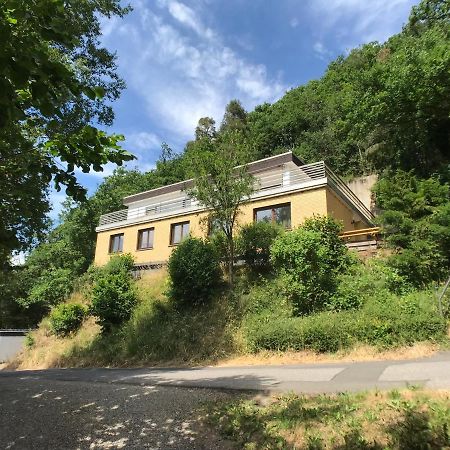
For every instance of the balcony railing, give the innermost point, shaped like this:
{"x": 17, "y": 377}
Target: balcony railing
{"x": 283, "y": 180}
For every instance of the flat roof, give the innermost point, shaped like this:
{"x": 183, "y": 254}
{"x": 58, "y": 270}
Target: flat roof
{"x": 254, "y": 167}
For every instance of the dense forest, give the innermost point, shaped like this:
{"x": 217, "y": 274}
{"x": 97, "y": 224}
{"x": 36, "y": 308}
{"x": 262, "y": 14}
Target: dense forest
{"x": 384, "y": 108}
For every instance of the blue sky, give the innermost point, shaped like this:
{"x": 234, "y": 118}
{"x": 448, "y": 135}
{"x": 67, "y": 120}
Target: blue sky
{"x": 186, "y": 59}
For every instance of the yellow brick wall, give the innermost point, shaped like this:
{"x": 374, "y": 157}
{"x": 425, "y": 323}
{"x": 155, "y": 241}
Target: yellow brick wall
{"x": 161, "y": 239}
{"x": 304, "y": 204}
{"x": 343, "y": 213}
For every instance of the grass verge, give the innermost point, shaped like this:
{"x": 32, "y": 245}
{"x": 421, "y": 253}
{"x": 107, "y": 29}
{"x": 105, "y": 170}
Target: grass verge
{"x": 407, "y": 419}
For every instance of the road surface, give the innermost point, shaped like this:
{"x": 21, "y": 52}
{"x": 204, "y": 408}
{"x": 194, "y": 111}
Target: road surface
{"x": 41, "y": 414}
{"x": 158, "y": 408}
{"x": 432, "y": 372}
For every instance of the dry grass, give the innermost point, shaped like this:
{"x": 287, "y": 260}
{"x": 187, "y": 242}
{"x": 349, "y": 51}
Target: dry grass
{"x": 411, "y": 418}
{"x": 49, "y": 351}
{"x": 360, "y": 353}
{"x": 152, "y": 284}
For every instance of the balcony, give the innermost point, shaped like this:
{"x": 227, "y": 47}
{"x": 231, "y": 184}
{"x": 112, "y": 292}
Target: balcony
{"x": 303, "y": 177}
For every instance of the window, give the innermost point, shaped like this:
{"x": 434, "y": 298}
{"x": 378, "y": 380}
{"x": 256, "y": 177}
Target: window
{"x": 145, "y": 239}
{"x": 280, "y": 214}
{"x": 116, "y": 243}
{"x": 178, "y": 232}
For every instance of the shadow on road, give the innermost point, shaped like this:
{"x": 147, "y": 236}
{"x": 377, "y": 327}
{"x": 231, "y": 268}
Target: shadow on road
{"x": 74, "y": 409}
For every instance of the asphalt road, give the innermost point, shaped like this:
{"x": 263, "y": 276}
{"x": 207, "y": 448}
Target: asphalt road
{"x": 432, "y": 372}
{"x": 51, "y": 414}
{"x": 158, "y": 408}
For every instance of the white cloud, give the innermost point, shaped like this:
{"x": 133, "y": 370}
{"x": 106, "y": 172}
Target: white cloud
{"x": 321, "y": 51}
{"x": 142, "y": 141}
{"x": 108, "y": 170}
{"x": 352, "y": 22}
{"x": 181, "y": 76}
{"x": 18, "y": 259}
{"x": 56, "y": 201}
{"x": 294, "y": 22}
{"x": 187, "y": 16}
{"x": 108, "y": 25}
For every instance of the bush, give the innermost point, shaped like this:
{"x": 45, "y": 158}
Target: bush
{"x": 117, "y": 264}
{"x": 113, "y": 294}
{"x": 52, "y": 287}
{"x": 365, "y": 281}
{"x": 415, "y": 220}
{"x": 219, "y": 243}
{"x": 66, "y": 318}
{"x": 254, "y": 242}
{"x": 393, "y": 322}
{"x": 194, "y": 272}
{"x": 309, "y": 260}
{"x": 420, "y": 263}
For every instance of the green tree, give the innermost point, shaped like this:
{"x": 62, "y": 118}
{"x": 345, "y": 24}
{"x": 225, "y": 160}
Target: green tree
{"x": 113, "y": 294}
{"x": 56, "y": 82}
{"x": 220, "y": 184}
{"x": 235, "y": 117}
{"x": 428, "y": 13}
{"x": 206, "y": 128}
{"x": 254, "y": 243}
{"x": 415, "y": 218}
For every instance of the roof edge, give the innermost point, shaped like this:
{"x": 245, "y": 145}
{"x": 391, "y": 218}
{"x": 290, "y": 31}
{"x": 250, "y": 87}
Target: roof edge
{"x": 254, "y": 166}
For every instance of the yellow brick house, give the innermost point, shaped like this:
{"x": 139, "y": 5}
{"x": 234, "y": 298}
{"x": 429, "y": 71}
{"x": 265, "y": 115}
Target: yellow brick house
{"x": 287, "y": 191}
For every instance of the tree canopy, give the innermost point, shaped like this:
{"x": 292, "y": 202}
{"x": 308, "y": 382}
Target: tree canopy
{"x": 56, "y": 85}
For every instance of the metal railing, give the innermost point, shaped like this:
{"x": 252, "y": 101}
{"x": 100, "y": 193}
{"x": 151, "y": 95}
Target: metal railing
{"x": 153, "y": 209}
{"x": 334, "y": 181}
{"x": 281, "y": 179}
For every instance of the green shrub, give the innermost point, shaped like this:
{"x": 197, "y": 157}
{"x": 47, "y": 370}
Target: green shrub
{"x": 320, "y": 333}
{"x": 219, "y": 243}
{"x": 113, "y": 293}
{"x": 415, "y": 220}
{"x": 388, "y": 322}
{"x": 194, "y": 272}
{"x": 51, "y": 288}
{"x": 254, "y": 241}
{"x": 66, "y": 318}
{"x": 117, "y": 264}
{"x": 346, "y": 296}
{"x": 29, "y": 340}
{"x": 113, "y": 300}
{"x": 365, "y": 281}
{"x": 420, "y": 263}
{"x": 309, "y": 260}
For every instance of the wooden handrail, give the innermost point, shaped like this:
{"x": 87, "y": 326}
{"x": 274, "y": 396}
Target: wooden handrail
{"x": 361, "y": 232}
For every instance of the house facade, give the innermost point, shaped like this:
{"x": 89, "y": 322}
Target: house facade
{"x": 287, "y": 191}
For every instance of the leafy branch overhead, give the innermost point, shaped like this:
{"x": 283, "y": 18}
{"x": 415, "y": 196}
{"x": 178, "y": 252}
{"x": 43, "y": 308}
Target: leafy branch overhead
{"x": 56, "y": 88}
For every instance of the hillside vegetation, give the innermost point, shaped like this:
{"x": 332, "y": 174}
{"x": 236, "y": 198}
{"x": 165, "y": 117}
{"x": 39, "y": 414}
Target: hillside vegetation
{"x": 271, "y": 308}
{"x": 384, "y": 108}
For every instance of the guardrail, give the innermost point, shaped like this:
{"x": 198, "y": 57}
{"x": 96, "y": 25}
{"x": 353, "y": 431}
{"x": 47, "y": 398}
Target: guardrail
{"x": 14, "y": 331}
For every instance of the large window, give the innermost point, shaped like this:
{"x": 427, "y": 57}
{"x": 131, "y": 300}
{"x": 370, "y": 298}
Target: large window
{"x": 116, "y": 243}
{"x": 145, "y": 239}
{"x": 280, "y": 214}
{"x": 178, "y": 231}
